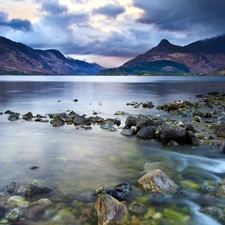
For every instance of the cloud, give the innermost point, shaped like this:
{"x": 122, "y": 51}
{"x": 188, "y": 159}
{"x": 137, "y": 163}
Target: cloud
{"x": 15, "y": 24}
{"x": 183, "y": 15}
{"x": 109, "y": 10}
{"x": 53, "y": 7}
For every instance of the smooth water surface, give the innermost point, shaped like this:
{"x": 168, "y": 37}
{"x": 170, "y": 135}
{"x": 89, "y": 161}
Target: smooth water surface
{"x": 74, "y": 161}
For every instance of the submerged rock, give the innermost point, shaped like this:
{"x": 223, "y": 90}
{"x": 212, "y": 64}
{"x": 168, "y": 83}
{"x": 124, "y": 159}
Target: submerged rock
{"x": 11, "y": 187}
{"x": 157, "y": 181}
{"x": 214, "y": 212}
{"x": 110, "y": 211}
{"x": 14, "y": 215}
{"x": 33, "y": 191}
{"x": 34, "y": 212}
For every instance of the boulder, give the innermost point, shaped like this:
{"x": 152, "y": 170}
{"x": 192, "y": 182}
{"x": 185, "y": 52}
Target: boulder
{"x": 157, "y": 181}
{"x": 110, "y": 211}
{"x": 168, "y": 133}
{"x": 34, "y": 191}
{"x": 13, "y": 116}
{"x": 127, "y": 132}
{"x": 28, "y": 116}
{"x": 220, "y": 130}
{"x": 147, "y": 132}
{"x": 143, "y": 121}
{"x": 57, "y": 122}
{"x": 130, "y": 121}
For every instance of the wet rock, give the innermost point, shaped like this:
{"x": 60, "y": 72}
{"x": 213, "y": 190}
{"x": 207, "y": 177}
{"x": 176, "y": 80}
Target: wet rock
{"x": 44, "y": 202}
{"x": 148, "y": 105}
{"x": 221, "y": 192}
{"x": 110, "y": 210}
{"x": 197, "y": 119}
{"x": 159, "y": 198}
{"x": 85, "y": 197}
{"x": 28, "y": 116}
{"x": 34, "y": 212}
{"x": 172, "y": 143}
{"x": 168, "y": 133}
{"x": 57, "y": 122}
{"x": 183, "y": 192}
{"x": 127, "y": 132}
{"x": 2, "y": 211}
{"x": 13, "y": 116}
{"x": 119, "y": 113}
{"x": 220, "y": 130}
{"x": 103, "y": 189}
{"x": 214, "y": 212}
{"x": 121, "y": 190}
{"x": 193, "y": 139}
{"x": 79, "y": 120}
{"x": 34, "y": 167}
{"x": 17, "y": 201}
{"x": 11, "y": 187}
{"x": 33, "y": 191}
{"x": 146, "y": 132}
{"x": 157, "y": 181}
{"x": 137, "y": 208}
{"x": 14, "y": 215}
{"x": 144, "y": 121}
{"x": 171, "y": 107}
{"x": 130, "y": 121}
{"x": 117, "y": 121}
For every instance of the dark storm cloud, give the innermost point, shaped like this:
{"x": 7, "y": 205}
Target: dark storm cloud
{"x": 183, "y": 15}
{"x": 15, "y": 24}
{"x": 110, "y": 10}
{"x": 53, "y": 7}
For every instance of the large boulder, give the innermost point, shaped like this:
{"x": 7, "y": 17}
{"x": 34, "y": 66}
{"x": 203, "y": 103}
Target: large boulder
{"x": 220, "y": 130}
{"x": 130, "y": 121}
{"x": 168, "y": 133}
{"x": 157, "y": 181}
{"x": 147, "y": 132}
{"x": 110, "y": 211}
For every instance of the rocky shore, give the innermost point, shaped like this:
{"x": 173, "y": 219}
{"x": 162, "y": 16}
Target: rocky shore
{"x": 201, "y": 122}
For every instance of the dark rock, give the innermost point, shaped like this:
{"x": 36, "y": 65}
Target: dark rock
{"x": 222, "y": 146}
{"x": 171, "y": 107}
{"x": 220, "y": 130}
{"x": 168, "y": 133}
{"x": 35, "y": 212}
{"x": 9, "y": 112}
{"x": 183, "y": 192}
{"x": 214, "y": 212}
{"x": 11, "y": 187}
{"x": 79, "y": 120}
{"x": 28, "y": 116}
{"x": 147, "y": 132}
{"x": 33, "y": 191}
{"x": 13, "y": 116}
{"x": 2, "y": 211}
{"x": 173, "y": 143}
{"x": 75, "y": 100}
{"x": 127, "y": 132}
{"x": 130, "y": 121}
{"x": 34, "y": 167}
{"x": 144, "y": 121}
{"x": 88, "y": 128}
{"x": 193, "y": 139}
{"x": 57, "y": 122}
{"x": 148, "y": 105}
{"x": 121, "y": 190}
{"x": 110, "y": 211}
{"x": 159, "y": 198}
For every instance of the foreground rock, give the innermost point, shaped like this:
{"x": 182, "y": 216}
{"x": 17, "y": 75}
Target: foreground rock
{"x": 157, "y": 181}
{"x": 110, "y": 211}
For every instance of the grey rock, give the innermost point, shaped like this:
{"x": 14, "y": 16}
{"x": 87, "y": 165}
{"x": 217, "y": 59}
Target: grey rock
{"x": 146, "y": 132}
{"x": 127, "y": 132}
{"x": 14, "y": 215}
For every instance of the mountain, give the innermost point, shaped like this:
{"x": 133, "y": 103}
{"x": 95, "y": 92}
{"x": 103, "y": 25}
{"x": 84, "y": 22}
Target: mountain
{"x": 17, "y": 58}
{"x": 198, "y": 57}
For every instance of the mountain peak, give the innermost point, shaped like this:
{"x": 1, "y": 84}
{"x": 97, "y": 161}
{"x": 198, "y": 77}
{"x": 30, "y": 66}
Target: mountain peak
{"x": 164, "y": 42}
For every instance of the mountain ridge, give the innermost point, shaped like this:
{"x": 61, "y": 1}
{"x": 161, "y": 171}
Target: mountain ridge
{"x": 18, "y": 58}
{"x": 202, "y": 56}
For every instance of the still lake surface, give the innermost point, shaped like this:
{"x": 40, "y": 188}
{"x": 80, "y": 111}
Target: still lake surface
{"x": 74, "y": 161}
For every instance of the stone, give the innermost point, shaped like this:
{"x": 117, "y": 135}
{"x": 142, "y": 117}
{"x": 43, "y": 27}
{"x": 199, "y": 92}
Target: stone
{"x": 157, "y": 181}
{"x": 127, "y": 132}
{"x": 130, "y": 121}
{"x": 214, "y": 212}
{"x": 110, "y": 211}
{"x": 34, "y": 212}
{"x": 79, "y": 120}
{"x": 2, "y": 211}
{"x": 137, "y": 208}
{"x": 57, "y": 122}
{"x": 14, "y": 215}
{"x": 11, "y": 187}
{"x": 34, "y": 191}
{"x": 13, "y": 117}
{"x": 143, "y": 121}
{"x": 17, "y": 201}
{"x": 222, "y": 146}
{"x": 146, "y": 132}
{"x": 220, "y": 130}
{"x": 168, "y": 133}
{"x": 121, "y": 190}
{"x": 119, "y": 113}
{"x": 28, "y": 116}
{"x": 44, "y": 202}
{"x": 221, "y": 192}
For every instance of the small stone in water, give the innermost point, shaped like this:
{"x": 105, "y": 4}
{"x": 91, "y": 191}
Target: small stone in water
{"x": 34, "y": 167}
{"x": 11, "y": 187}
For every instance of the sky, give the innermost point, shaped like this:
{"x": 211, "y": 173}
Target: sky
{"x": 109, "y": 32}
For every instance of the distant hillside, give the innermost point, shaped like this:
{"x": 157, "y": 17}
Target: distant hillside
{"x": 198, "y": 57}
{"x": 17, "y": 58}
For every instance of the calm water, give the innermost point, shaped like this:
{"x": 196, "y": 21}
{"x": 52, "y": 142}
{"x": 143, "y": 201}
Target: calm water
{"x": 73, "y": 161}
